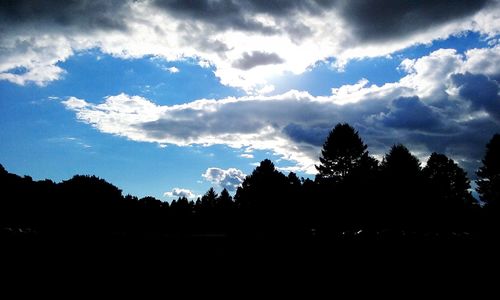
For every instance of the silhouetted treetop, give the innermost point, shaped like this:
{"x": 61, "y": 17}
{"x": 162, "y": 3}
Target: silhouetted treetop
{"x": 342, "y": 152}
{"x": 448, "y": 181}
{"x": 91, "y": 188}
{"x": 152, "y": 202}
{"x": 489, "y": 174}
{"x": 264, "y": 184}
{"x": 208, "y": 199}
{"x": 293, "y": 179}
{"x": 399, "y": 162}
{"x": 265, "y": 174}
{"x": 224, "y": 200}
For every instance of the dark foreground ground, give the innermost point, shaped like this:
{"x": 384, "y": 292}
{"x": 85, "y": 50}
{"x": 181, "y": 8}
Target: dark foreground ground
{"x": 198, "y": 257}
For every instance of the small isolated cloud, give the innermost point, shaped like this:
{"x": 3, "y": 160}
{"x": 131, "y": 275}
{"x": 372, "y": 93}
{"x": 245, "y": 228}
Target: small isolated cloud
{"x": 257, "y": 58}
{"x": 178, "y": 192}
{"x": 75, "y": 103}
{"x": 172, "y": 70}
{"x": 246, "y": 155}
{"x": 229, "y": 179}
{"x": 70, "y": 140}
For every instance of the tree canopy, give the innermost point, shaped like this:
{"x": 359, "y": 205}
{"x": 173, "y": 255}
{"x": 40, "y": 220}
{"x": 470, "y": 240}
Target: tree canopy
{"x": 352, "y": 194}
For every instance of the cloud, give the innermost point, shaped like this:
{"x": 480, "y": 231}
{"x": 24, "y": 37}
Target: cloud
{"x": 229, "y": 179}
{"x": 427, "y": 113}
{"x": 384, "y": 20}
{"x": 482, "y": 92}
{"x": 232, "y": 37}
{"x": 220, "y": 15}
{"x": 257, "y": 58}
{"x": 178, "y": 192}
{"x": 411, "y": 113}
{"x": 368, "y": 19}
{"x": 83, "y": 14}
{"x": 37, "y": 35}
{"x": 70, "y": 140}
{"x": 172, "y": 70}
{"x": 313, "y": 134}
{"x": 483, "y": 61}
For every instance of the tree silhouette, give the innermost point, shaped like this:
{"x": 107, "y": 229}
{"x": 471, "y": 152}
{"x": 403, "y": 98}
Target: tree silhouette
{"x": 261, "y": 199}
{"x": 402, "y": 189}
{"x": 342, "y": 152}
{"x": 259, "y": 188}
{"x": 224, "y": 201}
{"x": 399, "y": 163}
{"x": 88, "y": 204}
{"x": 448, "y": 195}
{"x": 209, "y": 199}
{"x": 489, "y": 175}
{"x": 449, "y": 181}
{"x": 352, "y": 194}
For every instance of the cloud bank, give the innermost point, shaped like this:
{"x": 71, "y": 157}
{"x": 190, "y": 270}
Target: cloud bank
{"x": 247, "y": 42}
{"x": 447, "y": 102}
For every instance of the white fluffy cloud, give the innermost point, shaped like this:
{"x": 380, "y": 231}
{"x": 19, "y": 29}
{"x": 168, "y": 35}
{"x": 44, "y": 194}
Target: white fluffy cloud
{"x": 454, "y": 112}
{"x": 173, "y": 70}
{"x": 247, "y": 42}
{"x": 229, "y": 179}
{"x": 178, "y": 192}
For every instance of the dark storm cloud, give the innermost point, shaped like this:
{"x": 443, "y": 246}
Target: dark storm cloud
{"x": 386, "y": 19}
{"x": 314, "y": 135}
{"x": 222, "y": 14}
{"x": 83, "y": 14}
{"x": 257, "y": 58}
{"x": 210, "y": 10}
{"x": 370, "y": 20}
{"x": 239, "y": 15}
{"x": 410, "y": 113}
{"x": 180, "y": 123}
{"x": 466, "y": 143}
{"x": 482, "y": 92}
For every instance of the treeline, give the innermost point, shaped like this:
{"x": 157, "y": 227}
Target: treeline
{"x": 353, "y": 196}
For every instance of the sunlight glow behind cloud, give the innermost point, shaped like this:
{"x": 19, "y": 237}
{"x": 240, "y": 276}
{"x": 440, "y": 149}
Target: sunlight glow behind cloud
{"x": 247, "y": 42}
{"x": 436, "y": 107}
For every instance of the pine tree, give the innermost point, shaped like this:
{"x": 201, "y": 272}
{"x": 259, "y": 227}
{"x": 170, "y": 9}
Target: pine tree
{"x": 342, "y": 152}
{"x": 224, "y": 201}
{"x": 402, "y": 203}
{"x": 400, "y": 164}
{"x": 208, "y": 200}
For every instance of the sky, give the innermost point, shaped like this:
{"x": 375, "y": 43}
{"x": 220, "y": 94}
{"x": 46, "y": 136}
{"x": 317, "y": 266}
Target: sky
{"x": 170, "y": 97}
